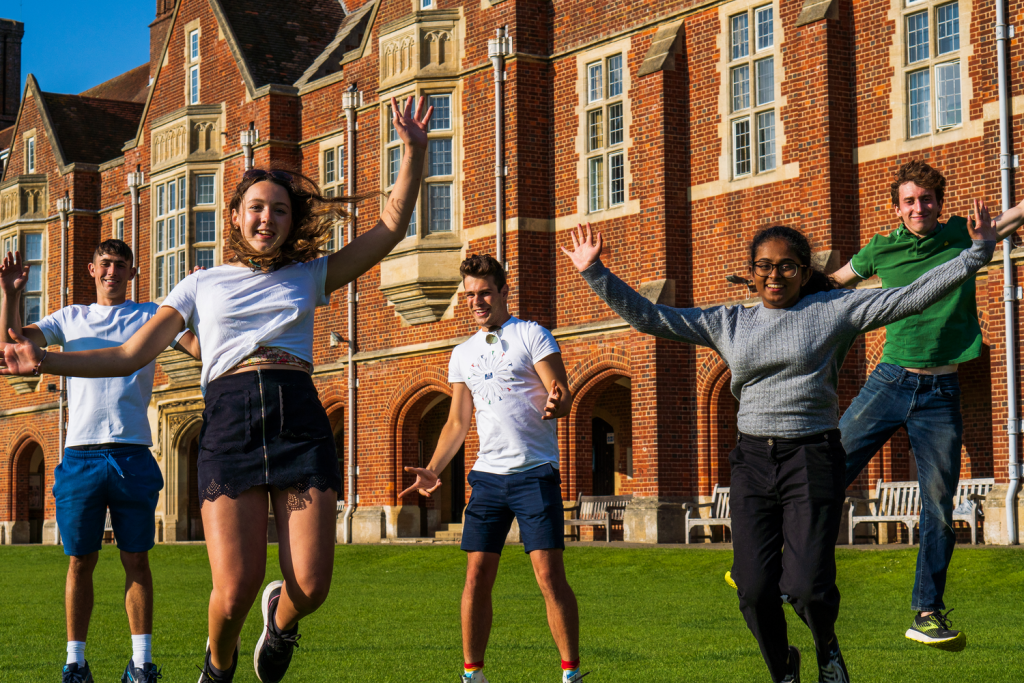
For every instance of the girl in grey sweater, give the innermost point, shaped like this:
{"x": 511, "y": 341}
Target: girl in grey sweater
{"x": 787, "y": 472}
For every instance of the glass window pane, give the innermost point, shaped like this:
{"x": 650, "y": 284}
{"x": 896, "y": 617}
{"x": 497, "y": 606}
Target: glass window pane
{"x": 182, "y": 197}
{"x": 917, "y": 37}
{"x": 195, "y": 85}
{"x": 392, "y": 133}
{"x": 160, "y": 196}
{"x": 172, "y": 195}
{"x": 440, "y": 208}
{"x": 948, "y": 19}
{"x": 765, "y": 31}
{"x": 615, "y": 76}
{"x": 740, "y": 40}
{"x": 741, "y": 147}
{"x": 33, "y": 246}
{"x": 596, "y": 80}
{"x": 33, "y": 309}
{"x": 947, "y": 87}
{"x": 329, "y": 192}
{"x": 741, "y": 87}
{"x": 442, "y": 118}
{"x": 204, "y": 258}
{"x": 596, "y": 183}
{"x": 341, "y": 163}
{"x": 35, "y": 278}
{"x": 194, "y": 45}
{"x": 206, "y": 226}
{"x": 615, "y": 124}
{"x": 204, "y": 189}
{"x": 159, "y": 278}
{"x": 159, "y": 235}
{"x": 329, "y": 166}
{"x": 411, "y": 230}
{"x": 170, "y": 272}
{"x": 182, "y": 266}
{"x": 920, "y": 101}
{"x": 617, "y": 169}
{"x": 595, "y": 129}
{"x": 171, "y": 232}
{"x": 394, "y": 164}
{"x": 440, "y": 157}
{"x": 119, "y": 229}
{"x": 765, "y": 80}
{"x": 182, "y": 231}
{"x": 766, "y": 141}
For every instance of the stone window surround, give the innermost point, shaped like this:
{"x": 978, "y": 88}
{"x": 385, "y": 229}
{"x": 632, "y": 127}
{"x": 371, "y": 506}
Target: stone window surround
{"x": 725, "y": 161}
{"x": 115, "y": 216}
{"x": 29, "y": 137}
{"x": 190, "y": 172}
{"x": 631, "y": 206}
{"x": 18, "y": 231}
{"x": 189, "y": 63}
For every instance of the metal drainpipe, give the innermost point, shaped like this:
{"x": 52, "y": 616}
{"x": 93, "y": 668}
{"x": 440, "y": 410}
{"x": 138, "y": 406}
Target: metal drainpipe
{"x": 351, "y": 100}
{"x": 63, "y": 208}
{"x": 249, "y": 138}
{"x": 1009, "y": 291}
{"x": 497, "y": 49}
{"x": 134, "y": 182}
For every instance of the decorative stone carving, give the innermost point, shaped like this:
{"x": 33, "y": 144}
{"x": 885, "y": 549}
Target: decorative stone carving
{"x": 421, "y": 45}
{"x": 23, "y": 196}
{"x": 421, "y": 280}
{"x": 192, "y": 133}
{"x": 23, "y": 384}
{"x": 182, "y": 369}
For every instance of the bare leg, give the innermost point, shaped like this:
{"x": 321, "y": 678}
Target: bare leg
{"x": 236, "y": 542}
{"x": 138, "y": 592}
{"x": 306, "y": 528}
{"x": 78, "y": 595}
{"x": 563, "y": 613}
{"x": 477, "y": 610}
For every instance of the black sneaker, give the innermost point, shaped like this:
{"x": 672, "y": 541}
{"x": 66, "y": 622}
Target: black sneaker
{"x": 76, "y": 673}
{"x": 835, "y": 671}
{"x": 147, "y": 673}
{"x": 207, "y": 675}
{"x": 274, "y": 648}
{"x": 934, "y": 630}
{"x": 794, "y": 666}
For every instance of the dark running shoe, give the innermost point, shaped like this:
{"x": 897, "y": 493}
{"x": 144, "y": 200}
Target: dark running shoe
{"x": 934, "y": 630}
{"x": 147, "y": 673}
{"x": 274, "y": 648}
{"x": 207, "y": 675}
{"x": 76, "y": 673}
{"x": 794, "y": 666}
{"x": 835, "y": 671}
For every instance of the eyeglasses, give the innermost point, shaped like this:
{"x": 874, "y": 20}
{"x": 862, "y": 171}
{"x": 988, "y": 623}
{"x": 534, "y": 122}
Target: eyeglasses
{"x": 493, "y": 337}
{"x": 787, "y": 269}
{"x": 260, "y": 173}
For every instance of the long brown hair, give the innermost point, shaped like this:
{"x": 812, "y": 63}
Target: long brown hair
{"x": 313, "y": 219}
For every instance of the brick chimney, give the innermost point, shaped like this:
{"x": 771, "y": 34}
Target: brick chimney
{"x": 10, "y": 70}
{"x": 158, "y": 34}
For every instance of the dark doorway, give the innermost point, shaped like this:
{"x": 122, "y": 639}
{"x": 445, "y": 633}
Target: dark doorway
{"x": 195, "y": 519}
{"x": 36, "y": 496}
{"x": 603, "y": 440}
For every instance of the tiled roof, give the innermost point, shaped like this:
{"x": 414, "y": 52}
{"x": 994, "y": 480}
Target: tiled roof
{"x": 91, "y": 130}
{"x": 5, "y": 137}
{"x": 279, "y": 40}
{"x": 349, "y": 37}
{"x": 131, "y": 86}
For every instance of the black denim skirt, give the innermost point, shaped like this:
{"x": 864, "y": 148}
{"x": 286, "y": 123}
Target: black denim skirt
{"x": 265, "y": 428}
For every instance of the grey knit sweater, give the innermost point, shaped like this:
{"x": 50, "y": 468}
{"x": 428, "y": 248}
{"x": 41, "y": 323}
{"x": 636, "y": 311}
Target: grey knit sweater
{"x": 785, "y": 362}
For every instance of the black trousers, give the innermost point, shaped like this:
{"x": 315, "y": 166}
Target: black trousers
{"x": 787, "y": 494}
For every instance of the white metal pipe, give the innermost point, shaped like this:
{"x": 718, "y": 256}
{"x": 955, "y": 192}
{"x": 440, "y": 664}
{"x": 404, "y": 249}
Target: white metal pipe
{"x": 63, "y": 207}
{"x": 1009, "y": 290}
{"x": 351, "y": 100}
{"x": 497, "y": 50}
{"x": 134, "y": 183}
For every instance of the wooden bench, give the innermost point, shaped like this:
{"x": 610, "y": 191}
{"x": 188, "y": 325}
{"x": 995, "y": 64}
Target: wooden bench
{"x": 595, "y": 511}
{"x": 719, "y": 514}
{"x": 900, "y": 502}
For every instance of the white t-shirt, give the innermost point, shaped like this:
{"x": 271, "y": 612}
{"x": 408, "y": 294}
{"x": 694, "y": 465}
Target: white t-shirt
{"x": 509, "y": 396}
{"x": 234, "y": 311}
{"x": 104, "y": 409}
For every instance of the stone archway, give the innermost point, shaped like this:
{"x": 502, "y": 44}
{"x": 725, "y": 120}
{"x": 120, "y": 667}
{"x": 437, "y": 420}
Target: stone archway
{"x": 31, "y": 480}
{"x": 177, "y": 452}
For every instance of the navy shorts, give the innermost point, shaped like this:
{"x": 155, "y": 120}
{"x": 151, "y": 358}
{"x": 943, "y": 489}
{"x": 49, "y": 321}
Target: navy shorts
{"x": 534, "y": 497}
{"x": 86, "y": 483}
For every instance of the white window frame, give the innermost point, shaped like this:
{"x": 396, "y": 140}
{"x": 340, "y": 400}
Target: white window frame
{"x": 333, "y": 180}
{"x": 188, "y": 251}
{"x": 204, "y": 251}
{"x": 118, "y": 228}
{"x": 30, "y": 155}
{"x": 933, "y": 119}
{"x": 605, "y": 144}
{"x": 17, "y": 240}
{"x": 193, "y": 45}
{"x": 752, "y": 110}
{"x": 193, "y": 84}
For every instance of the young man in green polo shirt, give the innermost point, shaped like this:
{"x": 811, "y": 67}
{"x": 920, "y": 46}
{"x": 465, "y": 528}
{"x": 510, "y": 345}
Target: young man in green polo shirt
{"x": 915, "y": 384}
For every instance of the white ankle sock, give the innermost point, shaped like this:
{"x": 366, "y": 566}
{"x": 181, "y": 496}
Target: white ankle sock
{"x": 142, "y": 650}
{"x": 76, "y": 652}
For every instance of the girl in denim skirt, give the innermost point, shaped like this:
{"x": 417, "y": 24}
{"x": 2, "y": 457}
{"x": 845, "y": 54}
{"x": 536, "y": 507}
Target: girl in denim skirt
{"x": 265, "y": 432}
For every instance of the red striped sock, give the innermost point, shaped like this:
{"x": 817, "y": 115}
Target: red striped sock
{"x": 473, "y": 666}
{"x": 570, "y": 666}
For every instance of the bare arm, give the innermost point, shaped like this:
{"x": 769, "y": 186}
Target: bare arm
{"x": 189, "y": 343}
{"x": 846, "y": 277}
{"x": 452, "y": 437}
{"x": 368, "y": 249}
{"x": 552, "y": 373}
{"x": 118, "y": 361}
{"x": 1009, "y": 221}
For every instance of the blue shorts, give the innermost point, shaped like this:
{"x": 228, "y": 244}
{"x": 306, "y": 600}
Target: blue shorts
{"x": 86, "y": 483}
{"x": 533, "y": 497}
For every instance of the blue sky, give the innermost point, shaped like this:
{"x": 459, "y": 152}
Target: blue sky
{"x": 72, "y": 45}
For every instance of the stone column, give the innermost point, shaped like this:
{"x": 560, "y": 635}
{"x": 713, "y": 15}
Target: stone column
{"x": 995, "y": 516}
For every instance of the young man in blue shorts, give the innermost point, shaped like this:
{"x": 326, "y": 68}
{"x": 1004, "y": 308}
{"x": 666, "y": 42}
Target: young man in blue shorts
{"x": 915, "y": 385}
{"x": 511, "y": 371}
{"x": 108, "y": 464}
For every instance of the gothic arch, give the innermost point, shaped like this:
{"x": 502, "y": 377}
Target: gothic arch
{"x": 404, "y": 409}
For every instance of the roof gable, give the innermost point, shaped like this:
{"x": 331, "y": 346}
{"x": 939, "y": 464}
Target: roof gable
{"x": 131, "y": 86}
{"x": 92, "y": 130}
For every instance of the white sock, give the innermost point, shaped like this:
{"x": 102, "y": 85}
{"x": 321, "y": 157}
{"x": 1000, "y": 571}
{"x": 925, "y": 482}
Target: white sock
{"x": 76, "y": 652}
{"x": 142, "y": 650}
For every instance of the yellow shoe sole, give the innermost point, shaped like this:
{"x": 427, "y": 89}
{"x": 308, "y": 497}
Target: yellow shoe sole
{"x": 955, "y": 644}
{"x": 728, "y": 580}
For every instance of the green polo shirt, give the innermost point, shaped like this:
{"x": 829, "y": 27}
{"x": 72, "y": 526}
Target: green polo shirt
{"x": 945, "y": 333}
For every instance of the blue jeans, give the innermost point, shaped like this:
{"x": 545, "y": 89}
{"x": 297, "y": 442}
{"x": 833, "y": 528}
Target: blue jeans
{"x": 928, "y": 406}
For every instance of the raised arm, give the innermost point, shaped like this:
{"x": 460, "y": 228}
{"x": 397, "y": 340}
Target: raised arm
{"x": 453, "y": 435}
{"x": 13, "y": 278}
{"x": 23, "y": 357}
{"x": 691, "y": 325}
{"x": 1009, "y": 221}
{"x": 871, "y": 309}
{"x": 365, "y": 251}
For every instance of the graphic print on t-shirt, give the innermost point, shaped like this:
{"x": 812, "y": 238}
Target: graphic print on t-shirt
{"x": 490, "y": 376}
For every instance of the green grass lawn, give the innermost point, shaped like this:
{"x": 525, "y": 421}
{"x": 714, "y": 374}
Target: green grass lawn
{"x": 657, "y": 614}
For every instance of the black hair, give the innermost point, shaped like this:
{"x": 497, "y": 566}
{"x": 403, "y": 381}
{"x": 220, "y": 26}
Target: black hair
{"x": 115, "y": 248}
{"x": 796, "y": 241}
{"x": 484, "y": 265}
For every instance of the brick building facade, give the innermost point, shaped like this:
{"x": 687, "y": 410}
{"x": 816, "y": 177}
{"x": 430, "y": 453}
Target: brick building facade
{"x": 678, "y": 129}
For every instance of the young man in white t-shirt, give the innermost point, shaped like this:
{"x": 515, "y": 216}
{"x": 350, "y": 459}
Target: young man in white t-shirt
{"x": 511, "y": 371}
{"x": 107, "y": 463}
